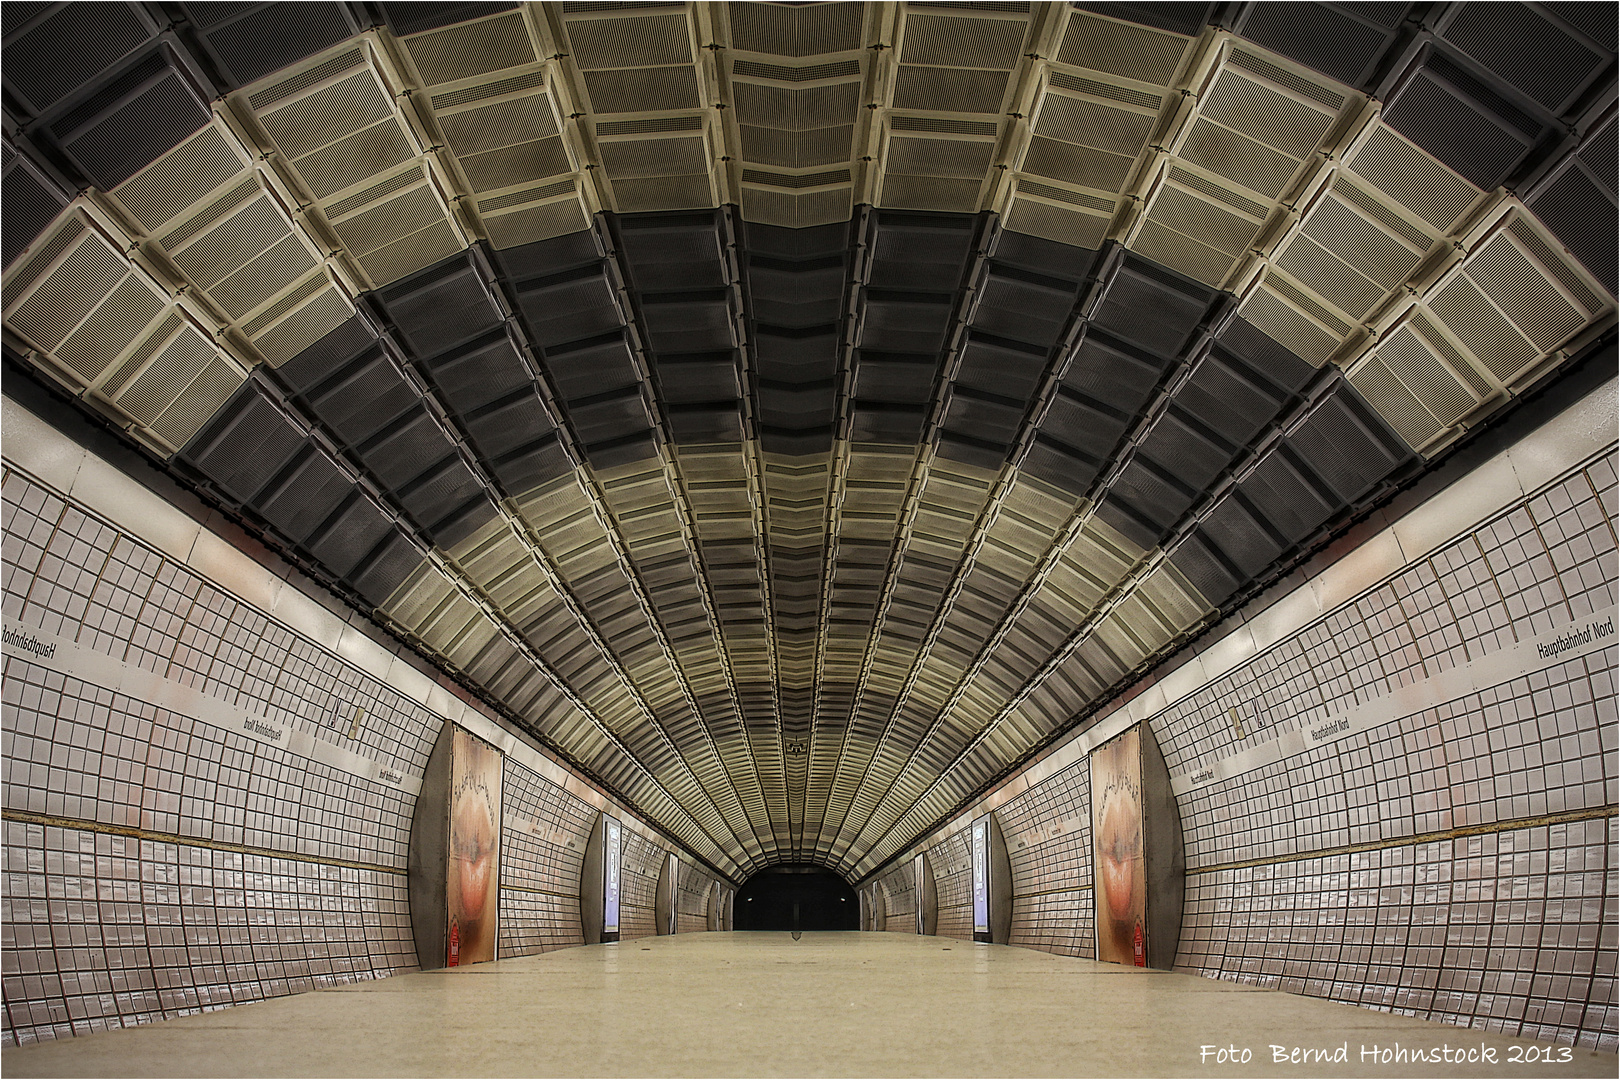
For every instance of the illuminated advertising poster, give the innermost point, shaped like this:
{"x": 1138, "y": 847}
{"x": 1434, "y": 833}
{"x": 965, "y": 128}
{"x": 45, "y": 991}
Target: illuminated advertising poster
{"x": 917, "y": 885}
{"x": 981, "y": 877}
{"x": 1116, "y": 830}
{"x": 473, "y": 892}
{"x": 612, "y": 843}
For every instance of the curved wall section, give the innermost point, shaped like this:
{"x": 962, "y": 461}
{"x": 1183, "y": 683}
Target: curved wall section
{"x": 900, "y": 899}
{"x": 544, "y": 828}
{"x": 1396, "y": 781}
{"x": 188, "y": 819}
{"x": 211, "y": 776}
{"x": 1418, "y": 814}
{"x": 693, "y": 894}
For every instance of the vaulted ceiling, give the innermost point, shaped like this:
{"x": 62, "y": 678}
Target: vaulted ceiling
{"x": 795, "y": 414}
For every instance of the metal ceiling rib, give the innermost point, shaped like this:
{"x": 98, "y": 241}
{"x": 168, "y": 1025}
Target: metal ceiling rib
{"x": 798, "y": 413}
{"x": 702, "y": 484}
{"x": 601, "y": 490}
{"x": 460, "y": 565}
{"x": 858, "y": 727}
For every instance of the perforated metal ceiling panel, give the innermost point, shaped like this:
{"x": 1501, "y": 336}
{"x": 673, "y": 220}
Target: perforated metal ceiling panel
{"x": 798, "y": 414}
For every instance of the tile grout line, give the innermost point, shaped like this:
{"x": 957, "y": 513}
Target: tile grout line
{"x": 1593, "y": 813}
{"x": 82, "y": 825}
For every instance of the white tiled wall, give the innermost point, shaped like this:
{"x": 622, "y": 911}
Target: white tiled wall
{"x": 544, "y": 829}
{"x": 643, "y": 862}
{"x": 1462, "y": 896}
{"x": 162, "y": 855}
{"x": 1451, "y": 853}
{"x": 899, "y": 887}
{"x": 695, "y": 889}
{"x": 157, "y": 862}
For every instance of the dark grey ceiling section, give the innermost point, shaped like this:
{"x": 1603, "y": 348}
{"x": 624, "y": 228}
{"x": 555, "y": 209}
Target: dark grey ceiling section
{"x": 1577, "y": 200}
{"x": 414, "y": 18}
{"x": 1164, "y": 321}
{"x": 244, "y": 42}
{"x": 465, "y": 348}
{"x": 1320, "y": 460}
{"x": 56, "y": 50}
{"x": 1010, "y": 361}
{"x": 1350, "y": 42}
{"x": 31, "y": 201}
{"x": 919, "y": 270}
{"x": 682, "y": 278}
{"x": 133, "y": 114}
{"x": 1178, "y": 18}
{"x": 373, "y": 407}
{"x": 797, "y": 292}
{"x": 571, "y": 301}
{"x": 285, "y": 475}
{"x": 1501, "y": 92}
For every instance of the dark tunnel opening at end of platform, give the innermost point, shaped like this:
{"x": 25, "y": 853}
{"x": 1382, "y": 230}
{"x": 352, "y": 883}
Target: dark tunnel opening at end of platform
{"x": 797, "y": 897}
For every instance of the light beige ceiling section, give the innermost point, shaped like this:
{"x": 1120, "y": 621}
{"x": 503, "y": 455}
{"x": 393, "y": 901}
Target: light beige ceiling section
{"x": 653, "y": 520}
{"x": 986, "y": 531}
{"x": 1152, "y": 597}
{"x": 868, "y": 488}
{"x": 360, "y": 164}
{"x": 795, "y": 78}
{"x": 458, "y": 619}
{"x": 1511, "y": 310}
{"x": 611, "y": 610}
{"x": 943, "y": 500}
{"x": 1384, "y": 211}
{"x": 449, "y": 616}
{"x": 636, "y": 77}
{"x": 947, "y": 105}
{"x": 223, "y": 222}
{"x": 722, "y": 487}
{"x": 1105, "y": 98}
{"x": 113, "y": 331}
{"x": 795, "y": 490}
{"x": 1260, "y": 138}
{"x": 1038, "y": 544}
{"x": 492, "y": 102}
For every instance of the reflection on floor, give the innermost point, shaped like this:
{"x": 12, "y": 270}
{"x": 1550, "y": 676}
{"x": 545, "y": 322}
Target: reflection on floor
{"x": 762, "y": 1004}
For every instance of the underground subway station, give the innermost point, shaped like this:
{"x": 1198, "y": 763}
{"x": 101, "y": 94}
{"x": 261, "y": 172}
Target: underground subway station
{"x": 788, "y": 539}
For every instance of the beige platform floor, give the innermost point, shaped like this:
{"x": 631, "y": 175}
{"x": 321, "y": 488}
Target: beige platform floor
{"x": 762, "y": 1004}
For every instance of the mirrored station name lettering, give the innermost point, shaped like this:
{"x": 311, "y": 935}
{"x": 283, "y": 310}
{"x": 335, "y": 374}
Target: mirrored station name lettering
{"x": 257, "y": 727}
{"x": 28, "y": 643}
{"x": 1543, "y": 651}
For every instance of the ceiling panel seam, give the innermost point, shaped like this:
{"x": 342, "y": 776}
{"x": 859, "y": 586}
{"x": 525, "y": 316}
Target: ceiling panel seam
{"x": 678, "y": 490}
{"x": 1062, "y": 356}
{"x": 456, "y": 575}
{"x": 982, "y": 240}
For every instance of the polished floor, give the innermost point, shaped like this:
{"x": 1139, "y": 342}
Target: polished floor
{"x": 763, "y": 1004}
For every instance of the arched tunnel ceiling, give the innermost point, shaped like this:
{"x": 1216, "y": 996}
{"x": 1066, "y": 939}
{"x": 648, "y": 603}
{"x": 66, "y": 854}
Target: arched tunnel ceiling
{"x": 796, "y": 413}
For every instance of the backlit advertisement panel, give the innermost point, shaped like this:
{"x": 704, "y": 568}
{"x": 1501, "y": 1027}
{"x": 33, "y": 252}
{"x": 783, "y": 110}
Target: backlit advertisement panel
{"x": 472, "y": 893}
{"x": 1119, "y": 870}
